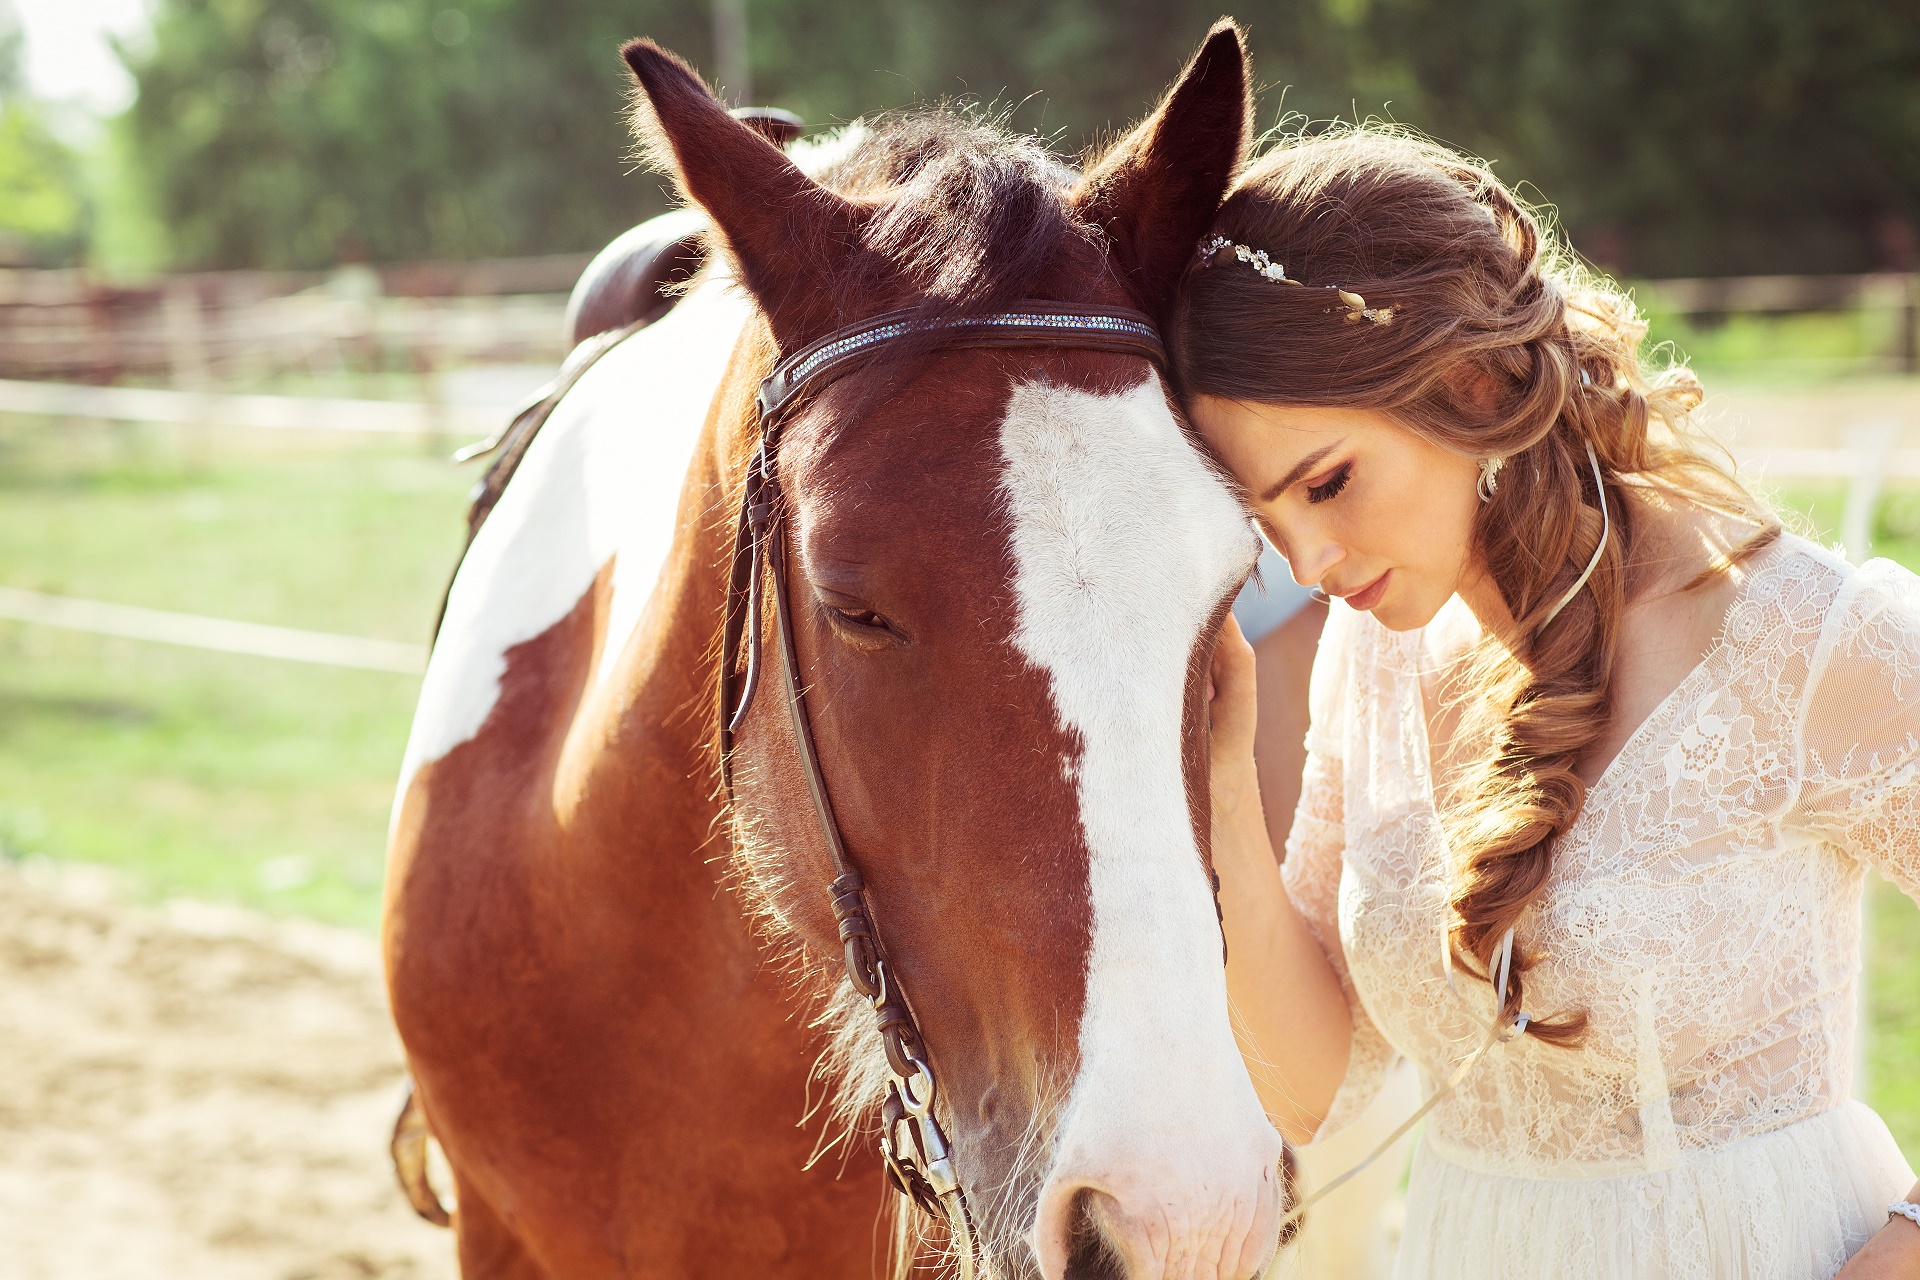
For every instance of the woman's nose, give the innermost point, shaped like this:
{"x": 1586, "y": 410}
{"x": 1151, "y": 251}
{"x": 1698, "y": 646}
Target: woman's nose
{"x": 1312, "y": 560}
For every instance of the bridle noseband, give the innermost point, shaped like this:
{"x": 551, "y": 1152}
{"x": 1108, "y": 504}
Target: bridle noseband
{"x": 918, "y": 1158}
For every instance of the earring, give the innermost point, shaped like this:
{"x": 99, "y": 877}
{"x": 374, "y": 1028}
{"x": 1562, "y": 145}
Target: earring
{"x": 1489, "y": 477}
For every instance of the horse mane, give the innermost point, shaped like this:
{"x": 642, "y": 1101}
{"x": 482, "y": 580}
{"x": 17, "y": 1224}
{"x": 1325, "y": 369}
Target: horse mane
{"x": 967, "y": 214}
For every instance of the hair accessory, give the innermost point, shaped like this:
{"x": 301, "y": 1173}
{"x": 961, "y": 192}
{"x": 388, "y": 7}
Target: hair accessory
{"x": 1489, "y": 477}
{"x": 1606, "y": 528}
{"x": 1218, "y": 249}
{"x": 1904, "y": 1209}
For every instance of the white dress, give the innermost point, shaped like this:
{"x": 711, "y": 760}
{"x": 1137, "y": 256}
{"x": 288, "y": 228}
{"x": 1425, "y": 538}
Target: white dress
{"x": 1704, "y": 910}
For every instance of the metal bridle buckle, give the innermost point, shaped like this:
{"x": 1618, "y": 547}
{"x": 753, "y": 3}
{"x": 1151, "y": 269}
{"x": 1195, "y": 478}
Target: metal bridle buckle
{"x": 919, "y": 1161}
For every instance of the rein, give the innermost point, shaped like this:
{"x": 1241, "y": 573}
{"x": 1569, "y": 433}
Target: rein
{"x": 914, "y": 1146}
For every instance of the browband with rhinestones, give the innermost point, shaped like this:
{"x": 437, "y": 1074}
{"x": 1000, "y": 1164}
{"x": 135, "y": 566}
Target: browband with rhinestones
{"x": 1029, "y": 323}
{"x": 1216, "y": 249}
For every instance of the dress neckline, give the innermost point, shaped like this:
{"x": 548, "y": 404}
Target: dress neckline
{"x": 1757, "y": 568}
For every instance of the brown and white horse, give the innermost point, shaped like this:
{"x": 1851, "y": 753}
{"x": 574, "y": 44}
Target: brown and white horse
{"x": 1007, "y": 567}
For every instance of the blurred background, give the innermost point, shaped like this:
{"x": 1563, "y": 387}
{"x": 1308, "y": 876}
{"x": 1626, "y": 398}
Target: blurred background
{"x": 265, "y": 263}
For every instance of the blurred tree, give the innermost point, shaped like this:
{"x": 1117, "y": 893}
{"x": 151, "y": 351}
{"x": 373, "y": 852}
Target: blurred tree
{"x": 1678, "y": 136}
{"x": 1683, "y": 137}
{"x": 283, "y": 133}
{"x": 44, "y": 214}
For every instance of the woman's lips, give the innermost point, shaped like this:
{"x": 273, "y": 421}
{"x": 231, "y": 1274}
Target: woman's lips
{"x": 1368, "y": 596}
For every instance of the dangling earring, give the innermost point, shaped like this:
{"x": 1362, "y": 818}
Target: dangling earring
{"x": 1489, "y": 477}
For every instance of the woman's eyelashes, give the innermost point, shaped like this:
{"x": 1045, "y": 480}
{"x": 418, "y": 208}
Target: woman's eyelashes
{"x": 1331, "y": 486}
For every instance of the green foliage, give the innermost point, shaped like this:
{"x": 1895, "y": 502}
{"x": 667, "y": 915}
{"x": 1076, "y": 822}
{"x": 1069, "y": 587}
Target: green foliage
{"x": 44, "y": 213}
{"x": 1684, "y": 137}
{"x": 298, "y": 133}
{"x": 1678, "y": 136}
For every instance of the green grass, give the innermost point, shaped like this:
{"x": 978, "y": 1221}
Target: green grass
{"x": 207, "y": 774}
{"x": 1778, "y": 350}
{"x": 268, "y": 783}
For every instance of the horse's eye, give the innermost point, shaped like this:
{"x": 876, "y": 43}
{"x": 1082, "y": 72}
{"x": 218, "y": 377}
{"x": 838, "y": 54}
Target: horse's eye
{"x": 866, "y": 618}
{"x": 861, "y": 627}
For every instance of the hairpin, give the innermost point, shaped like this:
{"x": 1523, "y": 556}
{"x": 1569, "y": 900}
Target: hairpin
{"x": 1217, "y": 249}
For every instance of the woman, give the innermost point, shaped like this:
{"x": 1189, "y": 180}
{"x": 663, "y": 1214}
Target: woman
{"x": 1598, "y": 754}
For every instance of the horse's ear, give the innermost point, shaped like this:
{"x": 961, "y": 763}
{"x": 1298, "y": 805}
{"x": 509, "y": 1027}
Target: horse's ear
{"x": 789, "y": 234}
{"x": 1156, "y": 191}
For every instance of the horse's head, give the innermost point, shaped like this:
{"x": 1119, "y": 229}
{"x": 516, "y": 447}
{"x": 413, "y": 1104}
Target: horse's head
{"x": 1005, "y": 570}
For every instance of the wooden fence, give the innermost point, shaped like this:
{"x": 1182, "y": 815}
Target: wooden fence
{"x": 1897, "y": 292}
{"x": 194, "y": 330}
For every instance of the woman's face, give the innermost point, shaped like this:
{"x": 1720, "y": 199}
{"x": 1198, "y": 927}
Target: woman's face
{"x": 1360, "y": 506}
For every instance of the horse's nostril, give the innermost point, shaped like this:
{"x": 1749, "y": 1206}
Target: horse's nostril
{"x": 1091, "y": 1255}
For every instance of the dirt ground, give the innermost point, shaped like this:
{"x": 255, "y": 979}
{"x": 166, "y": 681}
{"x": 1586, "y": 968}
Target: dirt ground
{"x": 193, "y": 1093}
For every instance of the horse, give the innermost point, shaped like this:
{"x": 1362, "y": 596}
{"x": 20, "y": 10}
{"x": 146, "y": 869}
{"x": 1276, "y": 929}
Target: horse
{"x": 660, "y": 951}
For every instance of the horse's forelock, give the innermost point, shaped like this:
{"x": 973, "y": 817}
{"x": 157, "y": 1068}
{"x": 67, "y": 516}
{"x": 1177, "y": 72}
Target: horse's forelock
{"x": 967, "y": 211}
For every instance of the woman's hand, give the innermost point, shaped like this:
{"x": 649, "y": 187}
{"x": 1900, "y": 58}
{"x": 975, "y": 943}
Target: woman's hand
{"x": 1289, "y": 1010}
{"x": 1892, "y": 1254}
{"x": 1233, "y": 712}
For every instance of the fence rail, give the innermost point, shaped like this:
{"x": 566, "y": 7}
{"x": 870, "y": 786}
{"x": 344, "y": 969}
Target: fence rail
{"x": 277, "y": 413}
{"x": 194, "y": 328}
{"x": 221, "y": 635}
{"x": 72, "y": 326}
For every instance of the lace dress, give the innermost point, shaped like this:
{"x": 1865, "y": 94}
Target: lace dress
{"x": 1705, "y": 910}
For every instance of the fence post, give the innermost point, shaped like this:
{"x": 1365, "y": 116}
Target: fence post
{"x": 181, "y": 313}
{"x": 1872, "y": 444}
{"x": 1910, "y": 326}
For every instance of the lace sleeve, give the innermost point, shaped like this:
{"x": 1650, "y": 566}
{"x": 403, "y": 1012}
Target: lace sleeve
{"x": 1316, "y": 846}
{"x": 1860, "y": 733}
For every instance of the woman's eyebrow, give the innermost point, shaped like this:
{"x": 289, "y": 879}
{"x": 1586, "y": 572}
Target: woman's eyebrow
{"x": 1300, "y": 469}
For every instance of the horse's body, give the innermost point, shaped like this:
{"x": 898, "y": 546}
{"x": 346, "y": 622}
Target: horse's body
{"x": 577, "y": 924}
{"x": 592, "y": 989}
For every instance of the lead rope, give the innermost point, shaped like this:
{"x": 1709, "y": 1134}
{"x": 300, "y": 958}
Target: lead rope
{"x": 1497, "y": 1033}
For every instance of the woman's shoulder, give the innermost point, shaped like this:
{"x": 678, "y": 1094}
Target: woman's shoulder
{"x": 1817, "y": 588}
{"x": 1803, "y": 612}
{"x": 1874, "y": 616}
{"x": 1786, "y": 593}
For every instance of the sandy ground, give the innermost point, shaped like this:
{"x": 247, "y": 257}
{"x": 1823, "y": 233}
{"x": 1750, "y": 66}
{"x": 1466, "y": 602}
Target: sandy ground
{"x": 193, "y": 1093}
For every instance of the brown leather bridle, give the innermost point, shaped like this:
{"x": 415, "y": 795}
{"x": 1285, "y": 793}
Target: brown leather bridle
{"x": 918, "y": 1159}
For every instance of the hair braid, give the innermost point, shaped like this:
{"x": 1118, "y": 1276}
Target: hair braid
{"x": 1500, "y": 347}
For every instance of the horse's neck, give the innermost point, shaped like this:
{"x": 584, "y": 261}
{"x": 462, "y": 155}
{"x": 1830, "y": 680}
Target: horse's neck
{"x": 577, "y": 627}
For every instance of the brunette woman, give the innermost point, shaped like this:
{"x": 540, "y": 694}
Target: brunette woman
{"x": 1598, "y": 755}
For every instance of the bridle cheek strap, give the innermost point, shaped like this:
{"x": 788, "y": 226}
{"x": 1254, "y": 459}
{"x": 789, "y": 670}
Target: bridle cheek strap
{"x": 915, "y": 1147}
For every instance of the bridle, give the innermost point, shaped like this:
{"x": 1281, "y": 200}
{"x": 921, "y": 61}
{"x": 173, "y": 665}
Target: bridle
{"x": 914, "y": 1146}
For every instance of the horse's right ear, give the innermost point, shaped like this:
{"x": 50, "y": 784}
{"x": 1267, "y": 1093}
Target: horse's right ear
{"x": 1155, "y": 191}
{"x": 789, "y": 235}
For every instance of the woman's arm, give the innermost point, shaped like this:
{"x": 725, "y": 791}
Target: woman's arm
{"x": 1892, "y": 1254}
{"x": 1291, "y": 1014}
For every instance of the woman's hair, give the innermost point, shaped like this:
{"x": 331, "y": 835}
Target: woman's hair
{"x": 1484, "y": 336}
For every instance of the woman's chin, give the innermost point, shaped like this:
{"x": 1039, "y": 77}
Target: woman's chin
{"x": 1396, "y": 612}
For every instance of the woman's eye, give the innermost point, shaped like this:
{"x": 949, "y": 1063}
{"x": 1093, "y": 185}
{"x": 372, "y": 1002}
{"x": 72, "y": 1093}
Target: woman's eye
{"x": 1331, "y": 486}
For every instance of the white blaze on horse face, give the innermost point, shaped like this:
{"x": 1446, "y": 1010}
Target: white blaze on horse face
{"x": 601, "y": 482}
{"x": 1124, "y": 543}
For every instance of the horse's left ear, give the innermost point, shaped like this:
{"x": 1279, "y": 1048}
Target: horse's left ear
{"x": 1155, "y": 192}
